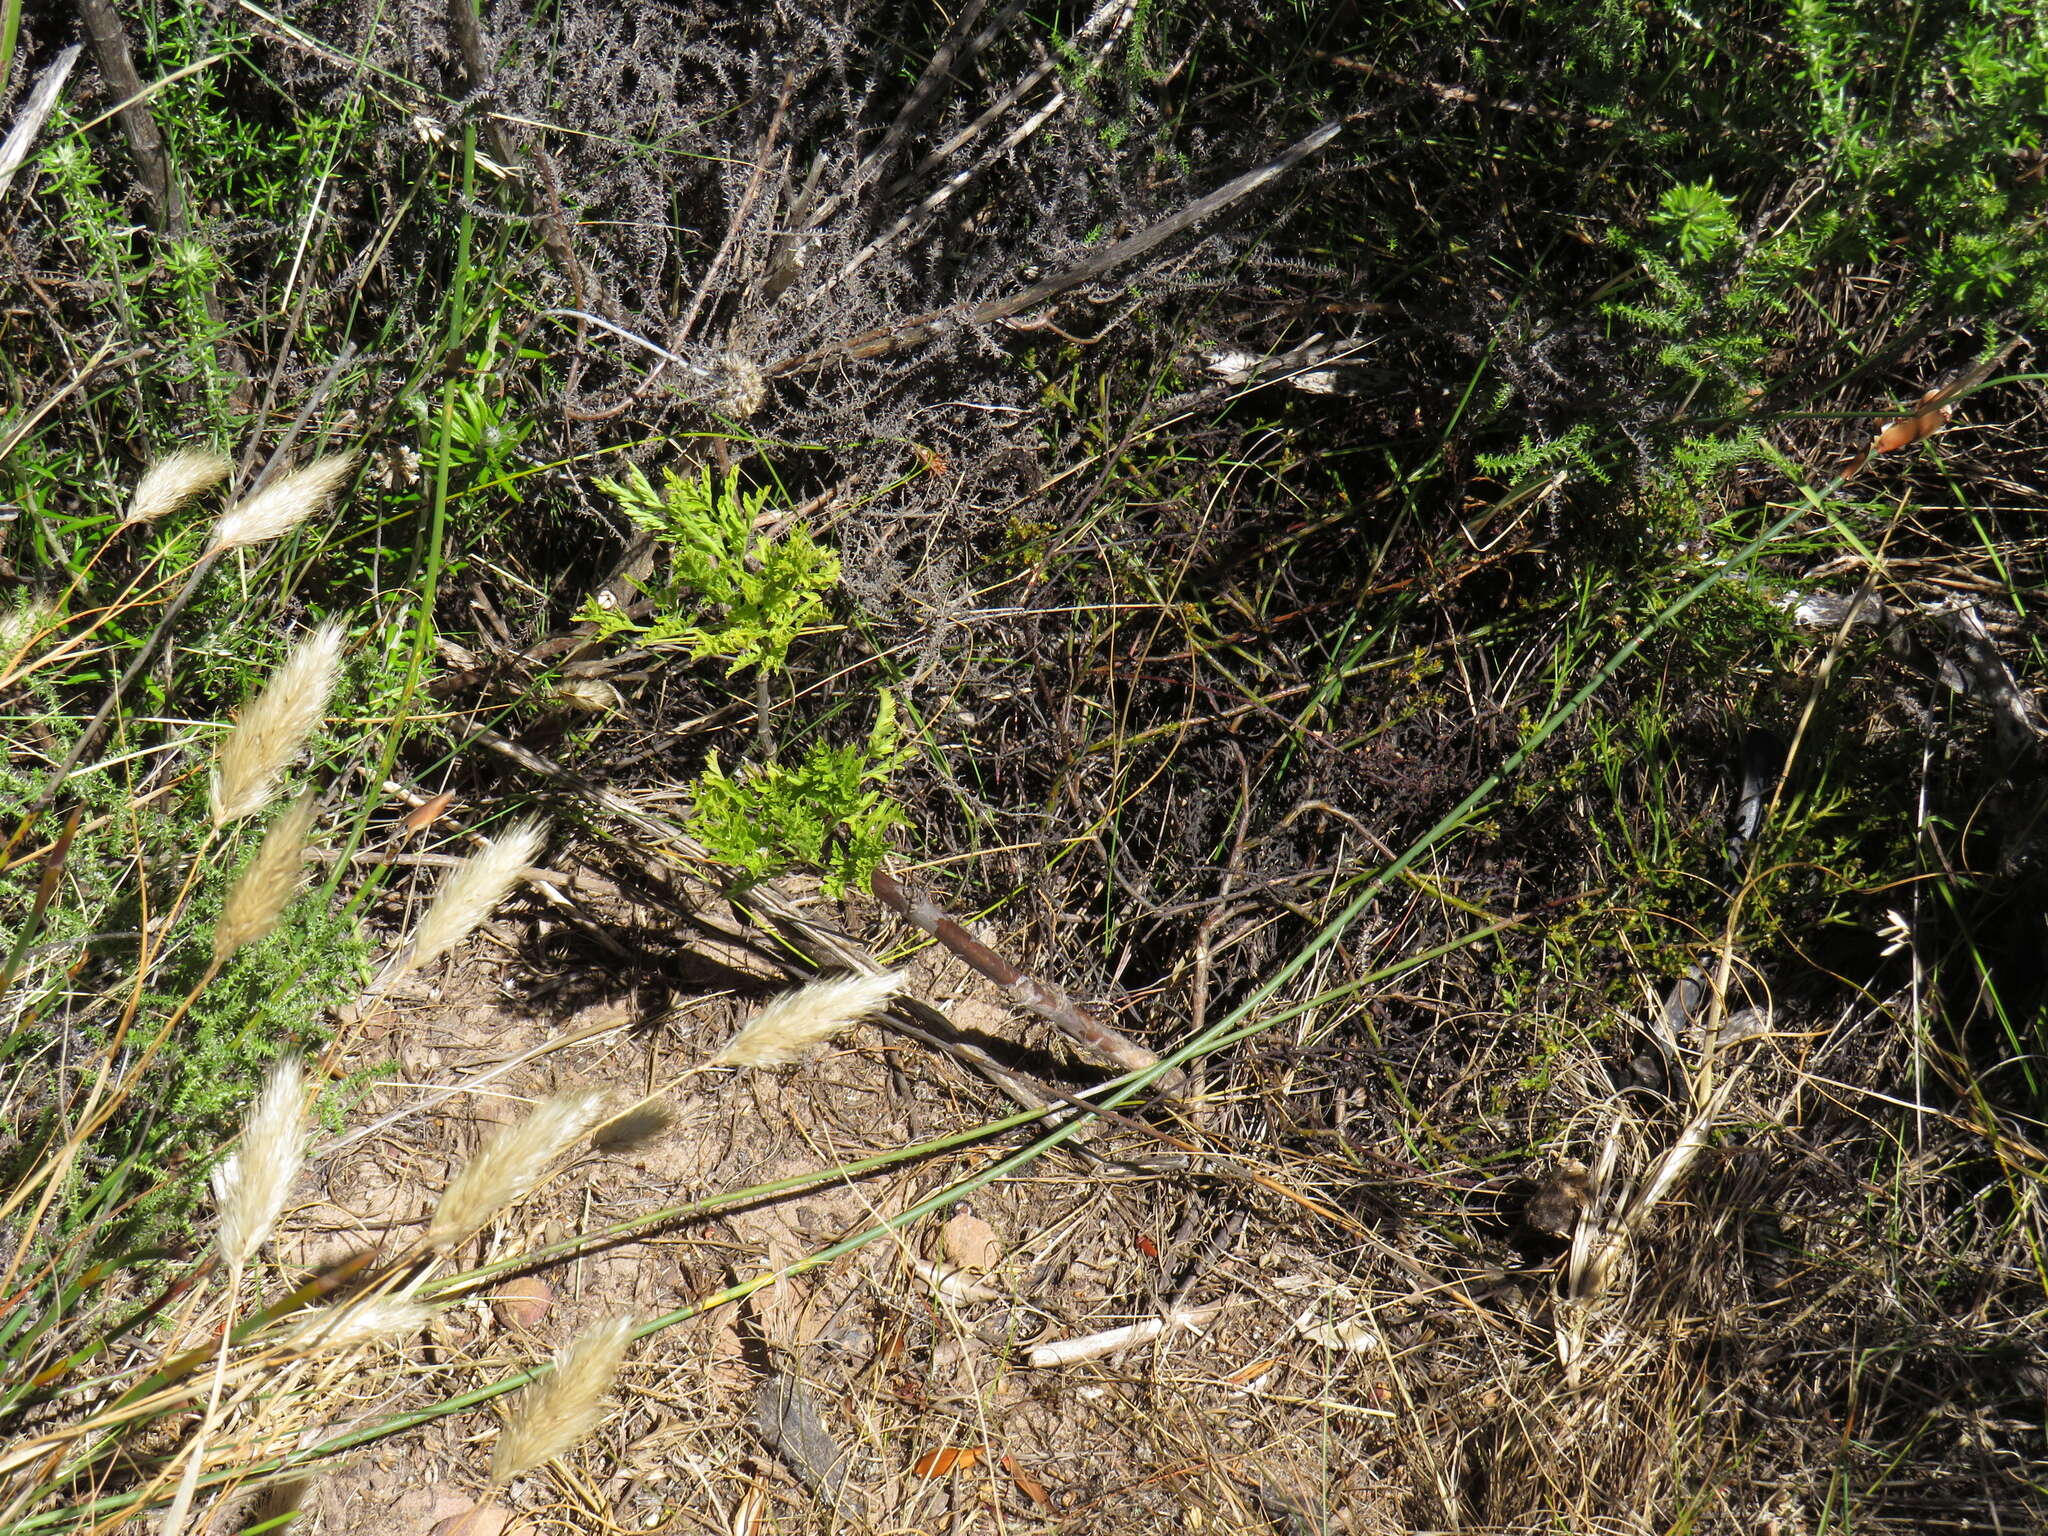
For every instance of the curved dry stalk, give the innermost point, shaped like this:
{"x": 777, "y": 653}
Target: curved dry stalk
{"x": 1041, "y": 997}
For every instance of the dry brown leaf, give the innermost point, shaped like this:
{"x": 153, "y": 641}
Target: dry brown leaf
{"x": 1908, "y": 430}
{"x": 954, "y": 1458}
{"x": 1030, "y": 1486}
{"x": 427, "y": 812}
{"x": 522, "y": 1301}
{"x": 971, "y": 1243}
{"x": 1252, "y": 1372}
{"x": 747, "y": 1515}
{"x": 484, "y": 1520}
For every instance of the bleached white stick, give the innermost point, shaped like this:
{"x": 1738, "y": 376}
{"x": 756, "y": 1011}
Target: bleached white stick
{"x": 1088, "y": 1347}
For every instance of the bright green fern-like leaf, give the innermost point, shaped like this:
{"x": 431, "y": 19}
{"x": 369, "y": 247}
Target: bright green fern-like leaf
{"x": 831, "y": 812}
{"x": 1698, "y": 218}
{"x": 729, "y": 594}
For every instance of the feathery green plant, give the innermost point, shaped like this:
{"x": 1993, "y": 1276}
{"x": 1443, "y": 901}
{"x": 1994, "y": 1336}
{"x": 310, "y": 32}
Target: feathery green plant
{"x": 831, "y": 811}
{"x": 733, "y": 592}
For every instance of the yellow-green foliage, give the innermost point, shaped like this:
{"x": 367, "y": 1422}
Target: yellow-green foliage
{"x": 830, "y": 812}
{"x": 728, "y": 593}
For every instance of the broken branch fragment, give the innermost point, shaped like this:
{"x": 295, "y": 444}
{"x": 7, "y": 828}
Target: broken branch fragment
{"x": 1042, "y": 998}
{"x": 1090, "y": 1346}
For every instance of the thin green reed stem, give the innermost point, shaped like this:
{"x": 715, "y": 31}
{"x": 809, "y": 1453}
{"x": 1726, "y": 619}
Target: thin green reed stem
{"x": 437, "y": 519}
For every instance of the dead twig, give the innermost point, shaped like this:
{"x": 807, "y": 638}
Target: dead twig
{"x": 153, "y": 166}
{"x": 1042, "y": 998}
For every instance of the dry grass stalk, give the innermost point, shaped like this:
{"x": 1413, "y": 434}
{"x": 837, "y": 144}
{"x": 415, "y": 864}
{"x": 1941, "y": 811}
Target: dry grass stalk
{"x": 172, "y": 481}
{"x": 1615, "y": 1215}
{"x": 273, "y": 726}
{"x": 552, "y": 1414}
{"x": 283, "y": 504}
{"x": 510, "y": 1164}
{"x": 378, "y": 1320}
{"x": 250, "y": 1186}
{"x": 473, "y": 890}
{"x": 794, "y": 1022}
{"x": 267, "y": 884}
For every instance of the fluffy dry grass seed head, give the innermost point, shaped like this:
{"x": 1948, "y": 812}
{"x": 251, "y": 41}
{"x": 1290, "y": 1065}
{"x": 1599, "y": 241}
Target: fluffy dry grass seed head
{"x": 172, "y": 481}
{"x": 472, "y": 891}
{"x": 552, "y": 1414}
{"x": 283, "y": 504}
{"x": 794, "y": 1022}
{"x": 274, "y": 725}
{"x": 379, "y": 1320}
{"x": 512, "y": 1161}
{"x": 268, "y": 882}
{"x": 251, "y": 1184}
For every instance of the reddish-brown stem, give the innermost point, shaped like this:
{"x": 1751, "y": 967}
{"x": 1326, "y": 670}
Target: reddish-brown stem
{"x": 1042, "y": 998}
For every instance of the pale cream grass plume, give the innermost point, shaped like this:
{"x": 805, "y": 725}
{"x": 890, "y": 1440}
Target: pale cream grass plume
{"x": 251, "y": 1184}
{"x": 794, "y": 1022}
{"x": 268, "y": 882}
{"x": 378, "y": 1320}
{"x": 283, "y": 504}
{"x": 552, "y": 1414}
{"x": 172, "y": 481}
{"x": 274, "y": 725}
{"x": 472, "y": 891}
{"x": 512, "y": 1161}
